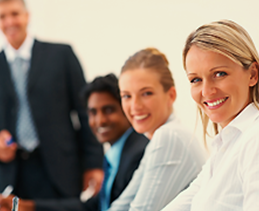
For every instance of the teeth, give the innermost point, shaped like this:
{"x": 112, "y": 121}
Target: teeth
{"x": 103, "y": 129}
{"x": 140, "y": 117}
{"x": 216, "y": 102}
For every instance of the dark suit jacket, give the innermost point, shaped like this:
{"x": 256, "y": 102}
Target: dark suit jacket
{"x": 131, "y": 155}
{"x": 54, "y": 82}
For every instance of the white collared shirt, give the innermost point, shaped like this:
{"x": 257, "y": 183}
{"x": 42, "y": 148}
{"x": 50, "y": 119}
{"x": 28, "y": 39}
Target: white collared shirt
{"x": 24, "y": 52}
{"x": 229, "y": 180}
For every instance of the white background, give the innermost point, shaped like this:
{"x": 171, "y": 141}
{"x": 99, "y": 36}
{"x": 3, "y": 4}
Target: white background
{"x": 104, "y": 33}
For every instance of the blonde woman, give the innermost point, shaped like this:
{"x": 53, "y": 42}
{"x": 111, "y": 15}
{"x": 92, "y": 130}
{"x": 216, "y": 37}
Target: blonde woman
{"x": 221, "y": 63}
{"x": 172, "y": 158}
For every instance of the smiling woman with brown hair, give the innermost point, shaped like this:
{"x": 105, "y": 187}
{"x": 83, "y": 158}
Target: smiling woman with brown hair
{"x": 172, "y": 158}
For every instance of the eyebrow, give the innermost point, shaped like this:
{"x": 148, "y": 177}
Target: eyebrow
{"x": 209, "y": 70}
{"x": 103, "y": 107}
{"x": 142, "y": 89}
{"x": 191, "y": 74}
{"x": 108, "y": 106}
{"x": 217, "y": 68}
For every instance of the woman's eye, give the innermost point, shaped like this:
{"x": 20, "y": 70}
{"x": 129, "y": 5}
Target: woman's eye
{"x": 195, "y": 80}
{"x": 220, "y": 74}
{"x": 147, "y": 93}
{"x": 125, "y": 96}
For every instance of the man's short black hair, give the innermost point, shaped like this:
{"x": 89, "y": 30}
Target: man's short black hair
{"x": 108, "y": 83}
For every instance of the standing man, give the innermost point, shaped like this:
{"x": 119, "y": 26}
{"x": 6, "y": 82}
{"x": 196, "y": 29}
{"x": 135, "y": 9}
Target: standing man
{"x": 110, "y": 125}
{"x": 42, "y": 156}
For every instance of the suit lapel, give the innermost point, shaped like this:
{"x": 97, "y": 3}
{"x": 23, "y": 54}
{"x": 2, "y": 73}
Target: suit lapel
{"x": 5, "y": 76}
{"x": 124, "y": 153}
{"x": 124, "y": 156}
{"x": 37, "y": 63}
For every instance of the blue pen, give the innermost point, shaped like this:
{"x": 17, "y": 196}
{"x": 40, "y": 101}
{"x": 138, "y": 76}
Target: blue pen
{"x": 9, "y": 142}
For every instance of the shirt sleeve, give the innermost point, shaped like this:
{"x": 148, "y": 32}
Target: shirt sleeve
{"x": 168, "y": 169}
{"x": 249, "y": 173}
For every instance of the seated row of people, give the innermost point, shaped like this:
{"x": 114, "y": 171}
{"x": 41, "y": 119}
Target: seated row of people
{"x": 172, "y": 153}
{"x": 221, "y": 63}
{"x": 153, "y": 160}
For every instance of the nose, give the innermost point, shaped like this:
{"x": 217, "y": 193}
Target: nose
{"x": 136, "y": 103}
{"x": 100, "y": 119}
{"x": 208, "y": 88}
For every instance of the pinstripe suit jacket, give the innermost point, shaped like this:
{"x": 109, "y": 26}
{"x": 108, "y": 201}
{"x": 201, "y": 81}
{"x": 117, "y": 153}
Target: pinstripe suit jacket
{"x": 54, "y": 82}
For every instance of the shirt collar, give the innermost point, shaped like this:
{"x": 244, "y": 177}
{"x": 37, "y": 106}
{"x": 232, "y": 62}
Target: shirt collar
{"x": 170, "y": 118}
{"x": 245, "y": 118}
{"x": 115, "y": 150}
{"x": 239, "y": 124}
{"x": 23, "y": 52}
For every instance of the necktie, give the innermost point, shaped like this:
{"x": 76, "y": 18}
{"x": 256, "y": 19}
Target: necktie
{"x": 25, "y": 129}
{"x": 104, "y": 201}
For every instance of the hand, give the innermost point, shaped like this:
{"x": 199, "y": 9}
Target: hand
{"x": 24, "y": 205}
{"x": 7, "y": 152}
{"x": 93, "y": 177}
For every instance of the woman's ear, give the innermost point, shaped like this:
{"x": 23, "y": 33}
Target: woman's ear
{"x": 254, "y": 67}
{"x": 172, "y": 94}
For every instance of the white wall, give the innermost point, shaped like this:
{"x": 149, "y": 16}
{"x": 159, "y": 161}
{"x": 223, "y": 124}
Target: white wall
{"x": 104, "y": 33}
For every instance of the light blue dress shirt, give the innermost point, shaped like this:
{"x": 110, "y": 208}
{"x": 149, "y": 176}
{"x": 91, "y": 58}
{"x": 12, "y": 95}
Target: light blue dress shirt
{"x": 113, "y": 157}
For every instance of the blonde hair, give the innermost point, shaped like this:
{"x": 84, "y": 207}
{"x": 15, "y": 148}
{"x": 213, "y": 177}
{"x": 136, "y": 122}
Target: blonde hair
{"x": 151, "y": 59}
{"x": 231, "y": 40}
